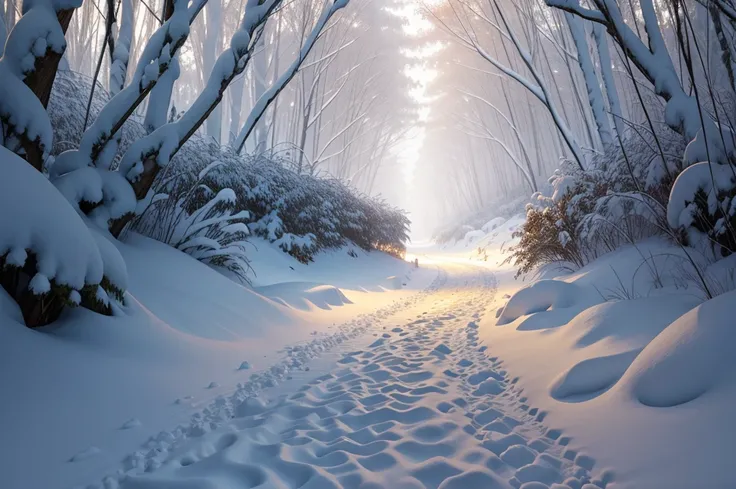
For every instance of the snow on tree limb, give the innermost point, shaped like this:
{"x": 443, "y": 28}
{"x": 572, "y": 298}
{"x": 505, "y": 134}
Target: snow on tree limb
{"x": 37, "y": 33}
{"x": 143, "y": 160}
{"x": 154, "y": 61}
{"x": 608, "y": 79}
{"x": 120, "y": 54}
{"x": 595, "y": 95}
{"x": 682, "y": 112}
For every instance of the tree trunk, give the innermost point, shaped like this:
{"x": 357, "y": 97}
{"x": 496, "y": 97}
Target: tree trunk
{"x": 260, "y": 69}
{"x": 595, "y": 95}
{"x": 211, "y": 48}
{"x": 726, "y": 55}
{"x": 3, "y": 28}
{"x": 609, "y": 81}
{"x": 10, "y": 15}
{"x": 41, "y": 80}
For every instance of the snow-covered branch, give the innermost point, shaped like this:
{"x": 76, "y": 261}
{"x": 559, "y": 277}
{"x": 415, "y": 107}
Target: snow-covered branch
{"x": 154, "y": 62}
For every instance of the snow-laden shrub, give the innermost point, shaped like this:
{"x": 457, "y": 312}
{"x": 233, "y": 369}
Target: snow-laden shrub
{"x": 619, "y": 199}
{"x": 633, "y": 189}
{"x": 203, "y": 223}
{"x": 702, "y": 207}
{"x": 302, "y": 214}
{"x": 550, "y": 235}
{"x": 49, "y": 257}
{"x": 216, "y": 233}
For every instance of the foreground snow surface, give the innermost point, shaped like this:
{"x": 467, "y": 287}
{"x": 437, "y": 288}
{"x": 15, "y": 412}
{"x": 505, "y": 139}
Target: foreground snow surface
{"x": 406, "y": 398}
{"x": 79, "y": 396}
{"x": 364, "y": 373}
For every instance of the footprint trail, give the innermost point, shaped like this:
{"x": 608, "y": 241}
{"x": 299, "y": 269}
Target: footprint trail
{"x": 419, "y": 405}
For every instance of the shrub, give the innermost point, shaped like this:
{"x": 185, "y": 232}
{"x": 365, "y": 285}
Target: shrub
{"x": 301, "y": 214}
{"x": 702, "y": 207}
{"x": 619, "y": 199}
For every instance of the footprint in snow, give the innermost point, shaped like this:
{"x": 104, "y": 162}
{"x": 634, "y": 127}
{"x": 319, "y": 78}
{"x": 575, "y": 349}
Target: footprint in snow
{"x": 85, "y": 454}
{"x": 184, "y": 399}
{"x": 130, "y": 424}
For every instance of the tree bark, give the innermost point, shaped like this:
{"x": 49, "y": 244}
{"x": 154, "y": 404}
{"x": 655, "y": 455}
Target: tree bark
{"x": 41, "y": 80}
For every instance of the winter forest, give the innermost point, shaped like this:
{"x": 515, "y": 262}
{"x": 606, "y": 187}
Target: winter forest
{"x": 364, "y": 244}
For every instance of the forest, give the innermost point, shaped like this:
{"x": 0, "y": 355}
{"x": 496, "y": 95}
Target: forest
{"x": 89, "y": 100}
{"x": 365, "y": 244}
{"x": 614, "y": 117}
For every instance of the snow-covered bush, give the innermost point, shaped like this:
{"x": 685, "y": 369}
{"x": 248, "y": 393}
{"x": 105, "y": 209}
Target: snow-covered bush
{"x": 619, "y": 199}
{"x": 550, "y": 235}
{"x": 49, "y": 258}
{"x": 202, "y": 223}
{"x": 301, "y": 214}
{"x": 702, "y": 207}
{"x": 499, "y": 210}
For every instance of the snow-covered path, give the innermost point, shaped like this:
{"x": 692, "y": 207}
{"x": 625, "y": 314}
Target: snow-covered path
{"x": 407, "y": 398}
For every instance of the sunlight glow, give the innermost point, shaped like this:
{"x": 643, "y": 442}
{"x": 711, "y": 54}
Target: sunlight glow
{"x": 416, "y": 24}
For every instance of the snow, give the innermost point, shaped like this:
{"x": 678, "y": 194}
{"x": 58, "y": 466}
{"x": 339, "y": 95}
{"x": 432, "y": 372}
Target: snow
{"x": 121, "y": 53}
{"x": 114, "y": 382}
{"x": 545, "y": 295}
{"x": 300, "y": 295}
{"x": 472, "y": 236}
{"x": 693, "y": 358}
{"x": 160, "y": 98}
{"x": 22, "y": 109}
{"x": 380, "y": 415}
{"x": 492, "y": 224}
{"x": 45, "y": 224}
{"x": 595, "y": 95}
{"x": 333, "y": 374}
{"x": 40, "y": 284}
{"x": 712, "y": 179}
{"x": 622, "y": 361}
{"x": 637, "y": 377}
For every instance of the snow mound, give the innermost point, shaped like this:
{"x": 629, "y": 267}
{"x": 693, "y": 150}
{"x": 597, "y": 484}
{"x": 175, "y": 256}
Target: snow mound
{"x": 628, "y": 321}
{"x": 605, "y": 339}
{"x": 473, "y": 236}
{"x": 492, "y": 224}
{"x": 304, "y": 295}
{"x": 693, "y": 356}
{"x": 44, "y": 223}
{"x": 592, "y": 376}
{"x": 545, "y": 295}
{"x": 393, "y": 283}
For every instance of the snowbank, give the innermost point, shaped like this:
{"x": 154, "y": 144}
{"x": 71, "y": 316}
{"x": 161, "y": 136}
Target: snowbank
{"x": 692, "y": 358}
{"x": 546, "y": 295}
{"x": 186, "y": 332}
{"x": 639, "y": 376}
{"x": 492, "y": 224}
{"x": 305, "y": 295}
{"x": 42, "y": 222}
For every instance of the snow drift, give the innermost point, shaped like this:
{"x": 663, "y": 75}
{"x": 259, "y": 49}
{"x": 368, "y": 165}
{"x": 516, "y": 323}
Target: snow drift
{"x": 691, "y": 358}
